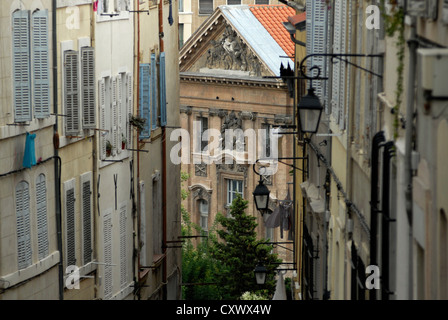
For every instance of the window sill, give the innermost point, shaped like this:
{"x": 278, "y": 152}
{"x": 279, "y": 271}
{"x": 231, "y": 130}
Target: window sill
{"x": 9, "y": 131}
{"x": 32, "y": 271}
{"x": 119, "y": 157}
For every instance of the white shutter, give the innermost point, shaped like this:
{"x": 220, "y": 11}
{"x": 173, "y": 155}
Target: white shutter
{"x": 21, "y": 66}
{"x": 71, "y": 93}
{"x": 337, "y": 66}
{"x": 24, "y": 251}
{"x": 88, "y": 87}
{"x": 102, "y": 103}
{"x": 41, "y": 210}
{"x": 120, "y": 99}
{"x": 114, "y": 126}
{"x": 345, "y": 72}
{"x": 86, "y": 215}
{"x": 123, "y": 246}
{"x": 130, "y": 109}
{"x": 69, "y": 194}
{"x": 40, "y": 64}
{"x": 107, "y": 246}
{"x": 142, "y": 238}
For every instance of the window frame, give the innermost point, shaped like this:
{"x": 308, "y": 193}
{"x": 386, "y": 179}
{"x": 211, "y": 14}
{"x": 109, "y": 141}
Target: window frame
{"x": 231, "y": 193}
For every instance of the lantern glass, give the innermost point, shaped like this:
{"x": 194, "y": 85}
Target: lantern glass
{"x": 309, "y": 112}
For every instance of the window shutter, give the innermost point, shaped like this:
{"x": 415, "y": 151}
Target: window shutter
{"x": 69, "y": 191}
{"x": 41, "y": 64}
{"x": 41, "y": 209}
{"x": 88, "y": 87}
{"x": 86, "y": 207}
{"x": 205, "y": 6}
{"x": 107, "y": 245}
{"x": 162, "y": 79}
{"x": 120, "y": 99}
{"x": 145, "y": 100}
{"x": 114, "y": 125}
{"x": 71, "y": 92}
{"x": 21, "y": 66}
{"x": 103, "y": 134}
{"x": 23, "y": 225}
{"x": 123, "y": 246}
{"x": 336, "y": 66}
{"x": 344, "y": 74}
{"x": 130, "y": 108}
{"x": 153, "y": 92}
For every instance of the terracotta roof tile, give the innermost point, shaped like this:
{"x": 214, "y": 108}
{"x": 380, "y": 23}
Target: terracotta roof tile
{"x": 271, "y": 17}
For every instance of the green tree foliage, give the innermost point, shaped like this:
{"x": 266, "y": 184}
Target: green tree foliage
{"x": 238, "y": 252}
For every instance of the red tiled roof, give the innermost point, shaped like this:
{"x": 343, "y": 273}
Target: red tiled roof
{"x": 271, "y": 17}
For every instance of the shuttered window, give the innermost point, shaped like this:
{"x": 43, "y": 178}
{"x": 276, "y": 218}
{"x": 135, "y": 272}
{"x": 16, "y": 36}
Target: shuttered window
{"x": 162, "y": 79}
{"x": 87, "y": 223}
{"x": 69, "y": 190}
{"x": 129, "y": 108}
{"x": 71, "y": 93}
{"x": 205, "y": 6}
{"x": 40, "y": 64}
{"x": 114, "y": 115}
{"x": 41, "y": 214}
{"x": 88, "y": 87}
{"x": 145, "y": 99}
{"x": 153, "y": 92}
{"x": 21, "y": 66}
{"x": 102, "y": 103}
{"x": 233, "y": 2}
{"x": 24, "y": 252}
{"x": 107, "y": 245}
{"x": 123, "y": 247}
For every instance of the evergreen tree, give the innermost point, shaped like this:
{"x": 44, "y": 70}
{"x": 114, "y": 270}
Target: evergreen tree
{"x": 238, "y": 251}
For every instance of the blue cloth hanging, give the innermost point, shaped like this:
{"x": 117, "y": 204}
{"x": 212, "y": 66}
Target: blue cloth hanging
{"x": 29, "y": 158}
{"x": 170, "y": 15}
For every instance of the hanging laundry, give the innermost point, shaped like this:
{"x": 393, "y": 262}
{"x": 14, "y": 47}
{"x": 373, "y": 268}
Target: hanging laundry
{"x": 29, "y": 158}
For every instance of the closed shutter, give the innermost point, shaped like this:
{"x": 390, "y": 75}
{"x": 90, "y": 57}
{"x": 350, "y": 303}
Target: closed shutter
{"x": 41, "y": 210}
{"x": 69, "y": 191}
{"x": 87, "y": 223}
{"x": 107, "y": 245}
{"x": 162, "y": 79}
{"x": 120, "y": 97}
{"x": 205, "y": 6}
{"x": 145, "y": 100}
{"x": 153, "y": 92}
{"x": 41, "y": 64}
{"x": 114, "y": 120}
{"x": 102, "y": 102}
{"x": 21, "y": 66}
{"x": 88, "y": 87}
{"x": 336, "y": 81}
{"x": 142, "y": 240}
{"x": 23, "y": 224}
{"x": 71, "y": 93}
{"x": 343, "y": 104}
{"x": 130, "y": 108}
{"x": 123, "y": 246}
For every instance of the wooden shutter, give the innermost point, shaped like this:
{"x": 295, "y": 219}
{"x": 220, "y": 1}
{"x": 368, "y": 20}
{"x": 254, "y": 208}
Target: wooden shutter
{"x": 41, "y": 213}
{"x": 129, "y": 108}
{"x": 21, "y": 66}
{"x": 102, "y": 103}
{"x": 41, "y": 64}
{"x": 86, "y": 215}
{"x": 69, "y": 192}
{"x": 71, "y": 93}
{"x": 88, "y": 87}
{"x": 145, "y": 100}
{"x": 24, "y": 252}
{"x": 121, "y": 80}
{"x": 123, "y": 246}
{"x": 114, "y": 125}
{"x": 107, "y": 246}
{"x": 153, "y": 92}
{"x": 162, "y": 79}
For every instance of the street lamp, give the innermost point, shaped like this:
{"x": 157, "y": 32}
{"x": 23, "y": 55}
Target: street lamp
{"x": 309, "y": 112}
{"x": 261, "y": 196}
{"x": 260, "y": 274}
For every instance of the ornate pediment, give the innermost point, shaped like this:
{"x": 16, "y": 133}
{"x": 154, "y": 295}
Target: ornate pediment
{"x": 217, "y": 49}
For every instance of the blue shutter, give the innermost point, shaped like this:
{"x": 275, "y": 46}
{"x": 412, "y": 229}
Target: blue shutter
{"x": 40, "y": 64}
{"x": 145, "y": 99}
{"x": 162, "y": 80}
{"x": 21, "y": 66}
{"x": 153, "y": 92}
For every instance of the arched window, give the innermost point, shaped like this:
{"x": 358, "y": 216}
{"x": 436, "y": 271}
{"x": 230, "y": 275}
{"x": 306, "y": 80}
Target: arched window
{"x": 23, "y": 224}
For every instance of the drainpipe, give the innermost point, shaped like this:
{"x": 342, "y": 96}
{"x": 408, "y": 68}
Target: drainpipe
{"x": 57, "y": 183}
{"x": 413, "y": 45}
{"x": 164, "y": 265}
